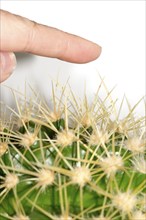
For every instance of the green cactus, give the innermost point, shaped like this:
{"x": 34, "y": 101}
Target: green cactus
{"x": 74, "y": 161}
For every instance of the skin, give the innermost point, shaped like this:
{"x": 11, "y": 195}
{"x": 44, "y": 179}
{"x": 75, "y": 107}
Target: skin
{"x": 18, "y": 34}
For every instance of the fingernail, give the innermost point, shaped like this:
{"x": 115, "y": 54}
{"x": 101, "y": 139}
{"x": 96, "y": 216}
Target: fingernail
{"x": 7, "y": 65}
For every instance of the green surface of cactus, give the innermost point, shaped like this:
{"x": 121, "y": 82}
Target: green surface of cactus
{"x": 73, "y": 161}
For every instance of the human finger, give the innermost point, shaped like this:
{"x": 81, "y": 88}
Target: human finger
{"x": 7, "y": 65}
{"x": 18, "y": 34}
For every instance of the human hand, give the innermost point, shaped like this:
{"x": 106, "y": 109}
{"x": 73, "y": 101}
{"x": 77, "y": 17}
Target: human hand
{"x": 19, "y": 34}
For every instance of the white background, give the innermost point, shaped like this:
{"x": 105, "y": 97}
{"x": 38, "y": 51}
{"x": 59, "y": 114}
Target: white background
{"x": 118, "y": 26}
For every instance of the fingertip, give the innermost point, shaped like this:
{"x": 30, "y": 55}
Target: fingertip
{"x": 86, "y": 51}
{"x": 94, "y": 51}
{"x": 99, "y": 51}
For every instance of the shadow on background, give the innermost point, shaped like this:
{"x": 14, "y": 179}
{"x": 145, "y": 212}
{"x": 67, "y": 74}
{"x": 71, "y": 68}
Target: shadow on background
{"x": 24, "y": 57}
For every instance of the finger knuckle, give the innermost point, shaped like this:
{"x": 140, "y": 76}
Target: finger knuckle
{"x": 30, "y": 36}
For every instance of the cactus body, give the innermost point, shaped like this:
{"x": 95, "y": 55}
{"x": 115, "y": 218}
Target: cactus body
{"x": 72, "y": 163}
